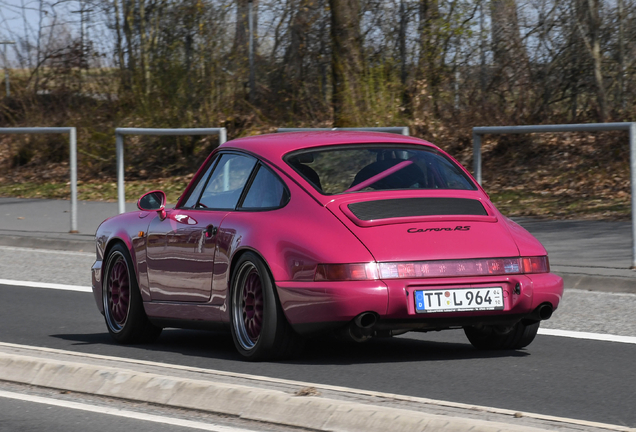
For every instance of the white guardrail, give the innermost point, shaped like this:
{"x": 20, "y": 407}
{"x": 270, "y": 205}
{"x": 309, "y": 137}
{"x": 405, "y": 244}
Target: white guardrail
{"x": 478, "y": 132}
{"x": 402, "y": 130}
{"x": 119, "y": 138}
{"x": 72, "y": 139}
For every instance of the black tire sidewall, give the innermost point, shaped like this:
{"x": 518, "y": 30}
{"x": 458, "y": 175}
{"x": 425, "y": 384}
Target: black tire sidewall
{"x": 136, "y": 316}
{"x": 265, "y": 346}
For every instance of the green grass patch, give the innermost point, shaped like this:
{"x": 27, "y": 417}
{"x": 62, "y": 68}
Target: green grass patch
{"x": 95, "y": 191}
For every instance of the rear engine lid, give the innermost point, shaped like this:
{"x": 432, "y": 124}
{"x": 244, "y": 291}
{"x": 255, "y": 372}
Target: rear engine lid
{"x": 427, "y": 228}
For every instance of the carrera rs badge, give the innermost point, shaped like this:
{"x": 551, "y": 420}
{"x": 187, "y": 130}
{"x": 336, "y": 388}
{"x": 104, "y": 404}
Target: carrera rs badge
{"x": 421, "y": 230}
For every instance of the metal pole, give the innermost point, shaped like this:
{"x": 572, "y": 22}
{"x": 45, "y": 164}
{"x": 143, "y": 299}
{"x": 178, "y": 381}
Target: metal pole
{"x": 632, "y": 157}
{"x": 401, "y": 130}
{"x": 121, "y": 194}
{"x": 72, "y": 139}
{"x": 587, "y": 127}
{"x": 250, "y": 20}
{"x": 6, "y": 66}
{"x": 477, "y": 157}
{"x": 119, "y": 142}
{"x": 72, "y": 158}
{"x": 6, "y": 73}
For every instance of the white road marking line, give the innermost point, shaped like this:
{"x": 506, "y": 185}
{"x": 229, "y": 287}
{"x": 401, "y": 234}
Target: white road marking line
{"x": 590, "y": 336}
{"x": 46, "y": 251}
{"x": 46, "y": 285}
{"x": 542, "y": 331}
{"x": 121, "y": 413}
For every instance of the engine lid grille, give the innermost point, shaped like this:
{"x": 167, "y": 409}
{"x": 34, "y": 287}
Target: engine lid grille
{"x": 413, "y": 207}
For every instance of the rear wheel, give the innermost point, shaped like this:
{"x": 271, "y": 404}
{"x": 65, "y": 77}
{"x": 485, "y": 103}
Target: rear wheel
{"x": 124, "y": 312}
{"x": 497, "y": 337}
{"x": 259, "y": 328}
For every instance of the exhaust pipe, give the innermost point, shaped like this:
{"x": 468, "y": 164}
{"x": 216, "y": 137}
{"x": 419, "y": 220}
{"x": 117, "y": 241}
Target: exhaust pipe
{"x": 543, "y": 312}
{"x": 361, "y": 328}
{"x": 365, "y": 320}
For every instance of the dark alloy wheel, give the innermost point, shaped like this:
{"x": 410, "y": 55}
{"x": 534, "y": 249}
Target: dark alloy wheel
{"x": 124, "y": 313}
{"x": 496, "y": 337}
{"x": 259, "y": 328}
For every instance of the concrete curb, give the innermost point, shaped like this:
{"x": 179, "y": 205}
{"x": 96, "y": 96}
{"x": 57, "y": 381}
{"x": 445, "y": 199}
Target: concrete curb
{"x": 255, "y": 404}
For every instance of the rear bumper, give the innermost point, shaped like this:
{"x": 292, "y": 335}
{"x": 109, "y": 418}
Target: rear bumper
{"x": 312, "y": 307}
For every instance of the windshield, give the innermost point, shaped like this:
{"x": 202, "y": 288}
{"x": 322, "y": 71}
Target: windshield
{"x": 337, "y": 170}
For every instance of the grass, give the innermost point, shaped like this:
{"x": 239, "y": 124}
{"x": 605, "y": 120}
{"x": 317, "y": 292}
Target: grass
{"x": 509, "y": 202}
{"x": 95, "y": 191}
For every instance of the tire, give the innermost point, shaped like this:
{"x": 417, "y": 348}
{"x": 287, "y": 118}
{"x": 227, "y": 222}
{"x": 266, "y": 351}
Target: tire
{"x": 124, "y": 313}
{"x": 492, "y": 337}
{"x": 259, "y": 328}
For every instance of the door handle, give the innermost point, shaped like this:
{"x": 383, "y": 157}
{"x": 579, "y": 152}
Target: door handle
{"x": 210, "y": 231}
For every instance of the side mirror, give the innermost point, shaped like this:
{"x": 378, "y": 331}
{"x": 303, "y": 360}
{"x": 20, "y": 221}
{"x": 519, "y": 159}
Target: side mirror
{"x": 153, "y": 201}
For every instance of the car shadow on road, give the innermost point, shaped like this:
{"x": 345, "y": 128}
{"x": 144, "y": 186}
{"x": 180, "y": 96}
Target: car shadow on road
{"x": 204, "y": 346}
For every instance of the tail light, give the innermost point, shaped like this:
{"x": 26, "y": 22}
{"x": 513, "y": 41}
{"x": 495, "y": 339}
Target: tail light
{"x": 346, "y": 272}
{"x": 432, "y": 269}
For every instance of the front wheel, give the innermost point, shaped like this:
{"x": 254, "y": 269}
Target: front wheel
{"x": 124, "y": 312}
{"x": 259, "y": 328}
{"x": 496, "y": 337}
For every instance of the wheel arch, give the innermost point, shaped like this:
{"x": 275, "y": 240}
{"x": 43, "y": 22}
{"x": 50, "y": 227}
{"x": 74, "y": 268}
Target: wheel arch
{"x": 235, "y": 259}
{"x": 115, "y": 240}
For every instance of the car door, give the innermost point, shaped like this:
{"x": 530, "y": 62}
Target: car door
{"x": 182, "y": 247}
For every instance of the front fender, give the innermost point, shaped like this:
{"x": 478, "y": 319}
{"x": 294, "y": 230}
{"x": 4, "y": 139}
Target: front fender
{"x": 130, "y": 230}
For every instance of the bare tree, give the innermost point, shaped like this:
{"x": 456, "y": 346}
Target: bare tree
{"x": 347, "y": 60}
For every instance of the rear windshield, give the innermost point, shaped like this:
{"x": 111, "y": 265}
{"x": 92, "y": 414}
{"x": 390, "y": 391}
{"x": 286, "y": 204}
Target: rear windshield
{"x": 336, "y": 170}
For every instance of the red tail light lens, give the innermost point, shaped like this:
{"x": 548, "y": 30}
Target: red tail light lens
{"x": 346, "y": 272}
{"x": 432, "y": 269}
{"x": 536, "y": 265}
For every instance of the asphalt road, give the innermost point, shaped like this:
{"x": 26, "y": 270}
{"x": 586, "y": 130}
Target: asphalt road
{"x": 582, "y": 379}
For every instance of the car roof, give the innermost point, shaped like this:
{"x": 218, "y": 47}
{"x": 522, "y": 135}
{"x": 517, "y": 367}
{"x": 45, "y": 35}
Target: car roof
{"x": 274, "y": 146}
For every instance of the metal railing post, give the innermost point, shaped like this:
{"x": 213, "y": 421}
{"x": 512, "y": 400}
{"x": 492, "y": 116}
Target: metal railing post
{"x": 72, "y": 158}
{"x": 586, "y": 127}
{"x": 632, "y": 159}
{"x": 477, "y": 156}
{"x": 121, "y": 192}
{"x": 400, "y": 130}
{"x": 72, "y": 140}
{"x": 119, "y": 142}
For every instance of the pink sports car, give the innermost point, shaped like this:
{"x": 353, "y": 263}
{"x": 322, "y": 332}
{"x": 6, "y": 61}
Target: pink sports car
{"x": 284, "y": 236}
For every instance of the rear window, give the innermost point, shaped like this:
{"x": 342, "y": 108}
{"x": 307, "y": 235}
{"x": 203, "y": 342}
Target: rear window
{"x": 336, "y": 170}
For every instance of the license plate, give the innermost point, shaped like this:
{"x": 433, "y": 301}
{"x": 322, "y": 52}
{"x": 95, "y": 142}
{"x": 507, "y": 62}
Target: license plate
{"x": 459, "y": 300}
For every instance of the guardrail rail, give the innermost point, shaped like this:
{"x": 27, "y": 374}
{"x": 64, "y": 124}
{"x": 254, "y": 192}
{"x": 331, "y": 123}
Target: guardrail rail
{"x": 119, "y": 139}
{"x": 72, "y": 139}
{"x": 479, "y": 132}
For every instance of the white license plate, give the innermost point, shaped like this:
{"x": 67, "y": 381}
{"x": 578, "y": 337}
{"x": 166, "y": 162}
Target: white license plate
{"x": 459, "y": 300}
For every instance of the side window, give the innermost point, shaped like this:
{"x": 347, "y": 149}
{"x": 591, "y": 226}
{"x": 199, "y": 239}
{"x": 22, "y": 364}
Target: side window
{"x": 227, "y": 181}
{"x": 266, "y": 191}
{"x": 196, "y": 192}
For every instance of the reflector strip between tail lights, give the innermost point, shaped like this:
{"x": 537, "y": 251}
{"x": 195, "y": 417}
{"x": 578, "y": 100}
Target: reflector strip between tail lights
{"x": 432, "y": 269}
